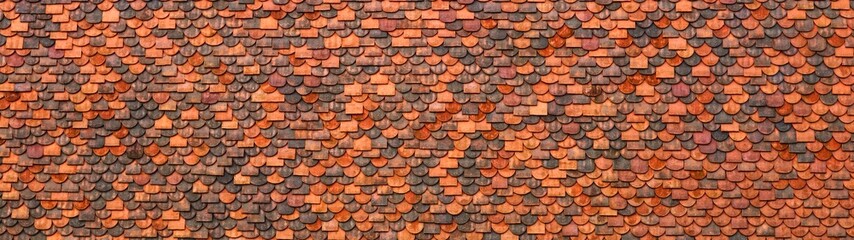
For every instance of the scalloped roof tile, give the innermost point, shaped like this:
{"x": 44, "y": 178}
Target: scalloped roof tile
{"x": 426, "y": 120}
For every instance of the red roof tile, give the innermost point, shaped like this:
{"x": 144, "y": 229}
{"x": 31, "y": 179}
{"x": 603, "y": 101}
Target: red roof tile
{"x": 428, "y": 120}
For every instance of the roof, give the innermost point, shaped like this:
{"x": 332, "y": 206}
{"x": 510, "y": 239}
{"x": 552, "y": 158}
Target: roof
{"x": 328, "y": 119}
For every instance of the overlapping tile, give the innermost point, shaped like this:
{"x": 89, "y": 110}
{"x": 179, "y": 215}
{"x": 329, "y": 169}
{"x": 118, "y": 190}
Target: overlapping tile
{"x": 426, "y": 120}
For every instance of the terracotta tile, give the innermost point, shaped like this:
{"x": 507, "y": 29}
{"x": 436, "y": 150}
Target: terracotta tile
{"x": 422, "y": 120}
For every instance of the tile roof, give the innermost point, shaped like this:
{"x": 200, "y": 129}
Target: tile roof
{"x": 325, "y": 119}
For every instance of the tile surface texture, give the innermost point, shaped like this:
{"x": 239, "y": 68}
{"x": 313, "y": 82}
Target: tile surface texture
{"x": 328, "y": 119}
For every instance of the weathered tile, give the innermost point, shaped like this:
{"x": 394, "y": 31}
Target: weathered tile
{"x": 426, "y": 120}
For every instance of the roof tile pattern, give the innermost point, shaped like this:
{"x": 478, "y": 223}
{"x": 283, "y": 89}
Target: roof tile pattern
{"x": 324, "y": 119}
